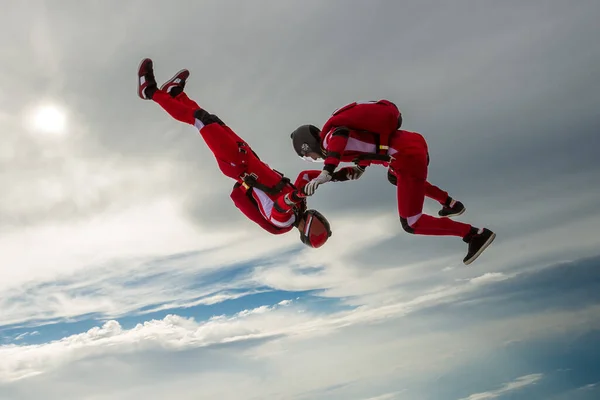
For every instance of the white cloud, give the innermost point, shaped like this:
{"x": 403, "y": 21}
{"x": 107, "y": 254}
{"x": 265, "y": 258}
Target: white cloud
{"x": 382, "y": 354}
{"x": 54, "y": 250}
{"x": 387, "y": 396}
{"x": 178, "y": 333}
{"x": 519, "y": 383}
{"x": 89, "y": 267}
{"x": 85, "y": 267}
{"x": 171, "y": 333}
{"x": 24, "y": 335}
{"x": 488, "y": 277}
{"x": 589, "y": 386}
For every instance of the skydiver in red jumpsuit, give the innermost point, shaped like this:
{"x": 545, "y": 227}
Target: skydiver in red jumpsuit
{"x": 369, "y": 133}
{"x": 264, "y": 195}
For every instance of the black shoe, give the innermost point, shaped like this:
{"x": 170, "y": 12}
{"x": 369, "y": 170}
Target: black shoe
{"x": 146, "y": 81}
{"x": 452, "y": 211}
{"x": 176, "y": 84}
{"x": 478, "y": 242}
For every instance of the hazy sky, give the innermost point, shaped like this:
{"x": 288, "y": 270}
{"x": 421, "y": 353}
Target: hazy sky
{"x": 126, "y": 272}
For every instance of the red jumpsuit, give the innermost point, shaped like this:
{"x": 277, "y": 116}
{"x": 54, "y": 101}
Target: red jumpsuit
{"x": 409, "y": 162}
{"x": 236, "y": 160}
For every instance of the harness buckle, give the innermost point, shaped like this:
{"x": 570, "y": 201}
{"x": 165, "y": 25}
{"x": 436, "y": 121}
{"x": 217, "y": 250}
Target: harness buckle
{"x": 251, "y": 175}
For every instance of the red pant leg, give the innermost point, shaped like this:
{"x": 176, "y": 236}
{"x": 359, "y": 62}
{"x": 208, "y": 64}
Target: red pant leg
{"x": 411, "y": 171}
{"x": 183, "y": 98}
{"x": 234, "y": 160}
{"x": 180, "y": 111}
{"x": 220, "y": 139}
{"x": 223, "y": 145}
{"x": 435, "y": 193}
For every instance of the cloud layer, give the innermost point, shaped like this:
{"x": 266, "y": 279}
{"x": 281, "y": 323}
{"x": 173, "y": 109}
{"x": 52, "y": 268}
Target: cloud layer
{"x": 118, "y": 241}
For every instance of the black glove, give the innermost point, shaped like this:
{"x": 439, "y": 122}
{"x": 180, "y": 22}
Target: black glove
{"x": 348, "y": 173}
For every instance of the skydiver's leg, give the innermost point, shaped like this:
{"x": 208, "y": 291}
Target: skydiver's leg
{"x": 411, "y": 175}
{"x": 183, "y": 98}
{"x": 450, "y": 206}
{"x": 176, "y": 109}
{"x": 220, "y": 139}
{"x": 411, "y": 195}
{"x": 435, "y": 193}
{"x": 410, "y": 166}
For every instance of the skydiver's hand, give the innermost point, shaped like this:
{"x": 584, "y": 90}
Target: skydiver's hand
{"x": 323, "y": 177}
{"x": 348, "y": 173}
{"x": 355, "y": 172}
{"x": 311, "y": 186}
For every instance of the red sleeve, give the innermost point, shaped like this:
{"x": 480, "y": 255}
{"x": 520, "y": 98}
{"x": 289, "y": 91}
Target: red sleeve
{"x": 335, "y": 148}
{"x": 306, "y": 176}
{"x": 295, "y": 197}
{"x": 247, "y": 207}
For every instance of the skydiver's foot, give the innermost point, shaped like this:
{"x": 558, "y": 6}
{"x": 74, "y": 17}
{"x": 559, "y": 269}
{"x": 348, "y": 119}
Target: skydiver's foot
{"x": 146, "y": 81}
{"x": 478, "y": 240}
{"x": 176, "y": 84}
{"x": 452, "y": 208}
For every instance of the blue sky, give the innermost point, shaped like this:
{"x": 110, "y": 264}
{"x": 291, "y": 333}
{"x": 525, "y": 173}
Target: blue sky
{"x": 126, "y": 272}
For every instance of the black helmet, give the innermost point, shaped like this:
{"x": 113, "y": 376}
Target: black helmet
{"x": 306, "y": 139}
{"x": 314, "y": 229}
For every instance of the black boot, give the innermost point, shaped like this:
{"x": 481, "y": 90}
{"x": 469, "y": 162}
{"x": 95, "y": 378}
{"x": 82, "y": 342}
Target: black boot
{"x": 452, "y": 208}
{"x": 146, "y": 81}
{"x": 478, "y": 241}
{"x": 176, "y": 84}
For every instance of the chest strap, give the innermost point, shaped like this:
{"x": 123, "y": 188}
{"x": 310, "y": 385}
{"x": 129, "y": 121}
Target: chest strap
{"x": 251, "y": 181}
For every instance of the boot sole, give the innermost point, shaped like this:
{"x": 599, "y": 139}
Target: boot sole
{"x": 485, "y": 246}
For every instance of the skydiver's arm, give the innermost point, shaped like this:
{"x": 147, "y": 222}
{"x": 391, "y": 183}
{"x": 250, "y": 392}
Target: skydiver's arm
{"x": 335, "y": 148}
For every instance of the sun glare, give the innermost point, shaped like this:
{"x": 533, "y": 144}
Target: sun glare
{"x": 49, "y": 119}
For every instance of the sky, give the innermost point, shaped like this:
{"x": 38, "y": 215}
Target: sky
{"x": 126, "y": 272}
